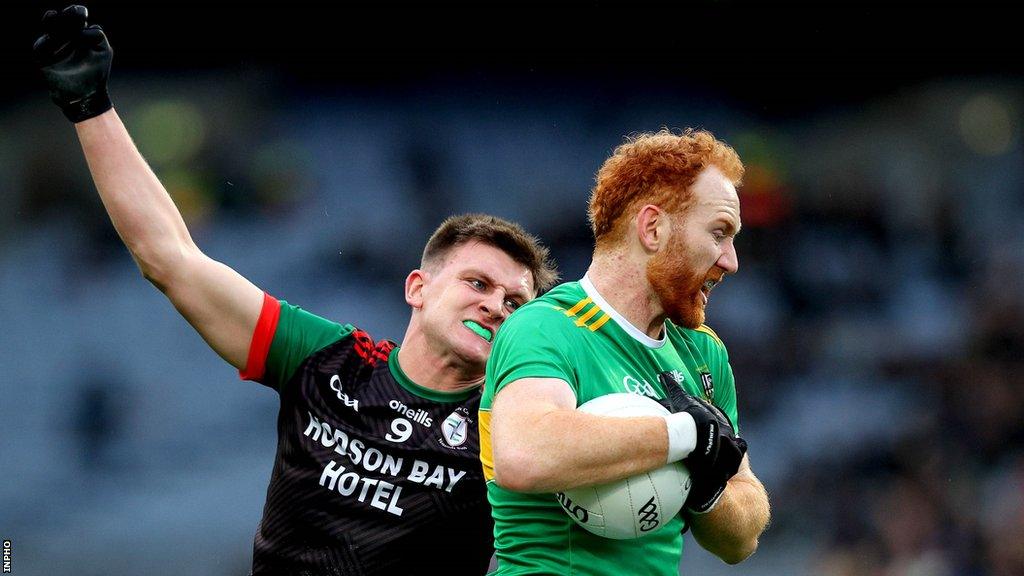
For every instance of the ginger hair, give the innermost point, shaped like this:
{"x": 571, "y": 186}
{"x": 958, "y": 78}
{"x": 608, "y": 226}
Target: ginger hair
{"x": 654, "y": 168}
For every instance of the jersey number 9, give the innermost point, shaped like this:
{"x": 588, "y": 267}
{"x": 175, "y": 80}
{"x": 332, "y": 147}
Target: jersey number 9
{"x": 401, "y": 429}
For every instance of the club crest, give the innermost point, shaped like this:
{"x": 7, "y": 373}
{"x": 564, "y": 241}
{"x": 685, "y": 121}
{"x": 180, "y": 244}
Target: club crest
{"x": 455, "y": 429}
{"x": 708, "y": 384}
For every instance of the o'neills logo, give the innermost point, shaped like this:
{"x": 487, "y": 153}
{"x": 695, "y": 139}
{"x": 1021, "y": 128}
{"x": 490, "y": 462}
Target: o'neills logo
{"x": 418, "y": 415}
{"x": 573, "y": 509}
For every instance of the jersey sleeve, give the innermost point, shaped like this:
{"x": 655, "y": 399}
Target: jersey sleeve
{"x": 726, "y": 397}
{"x": 535, "y": 342}
{"x": 717, "y": 357}
{"x": 284, "y": 337}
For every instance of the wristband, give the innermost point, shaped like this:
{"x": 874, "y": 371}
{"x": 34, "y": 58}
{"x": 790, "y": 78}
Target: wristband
{"x": 708, "y": 504}
{"x": 87, "y": 107}
{"x": 682, "y": 435}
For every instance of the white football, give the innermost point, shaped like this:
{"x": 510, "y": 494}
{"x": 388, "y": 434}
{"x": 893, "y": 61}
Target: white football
{"x": 636, "y": 506}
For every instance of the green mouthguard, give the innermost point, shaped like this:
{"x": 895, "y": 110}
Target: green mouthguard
{"x": 480, "y": 330}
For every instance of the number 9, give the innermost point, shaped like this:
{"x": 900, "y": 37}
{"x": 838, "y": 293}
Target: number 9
{"x": 401, "y": 429}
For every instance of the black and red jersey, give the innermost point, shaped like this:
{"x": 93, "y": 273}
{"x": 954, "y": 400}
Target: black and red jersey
{"x": 373, "y": 474}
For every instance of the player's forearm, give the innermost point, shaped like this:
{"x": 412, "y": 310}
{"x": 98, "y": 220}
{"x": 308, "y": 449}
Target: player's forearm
{"x": 564, "y": 449}
{"x": 731, "y": 530}
{"x": 140, "y": 208}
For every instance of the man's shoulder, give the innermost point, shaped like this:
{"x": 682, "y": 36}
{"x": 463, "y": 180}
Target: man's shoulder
{"x": 296, "y": 321}
{"x": 703, "y": 336}
{"x": 555, "y": 310}
{"x": 362, "y": 344}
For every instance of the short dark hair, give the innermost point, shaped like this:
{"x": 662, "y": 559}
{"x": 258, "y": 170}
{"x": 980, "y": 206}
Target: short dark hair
{"x": 506, "y": 236}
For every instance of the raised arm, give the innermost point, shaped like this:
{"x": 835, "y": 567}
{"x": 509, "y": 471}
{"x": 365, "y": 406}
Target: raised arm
{"x": 219, "y": 303}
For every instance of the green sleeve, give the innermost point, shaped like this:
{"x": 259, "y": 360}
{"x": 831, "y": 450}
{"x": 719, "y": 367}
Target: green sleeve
{"x": 717, "y": 358}
{"x": 725, "y": 393}
{"x": 533, "y": 343}
{"x": 298, "y": 335}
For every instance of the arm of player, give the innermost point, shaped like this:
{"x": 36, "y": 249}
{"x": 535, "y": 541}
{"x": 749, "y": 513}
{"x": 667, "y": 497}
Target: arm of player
{"x": 731, "y": 529}
{"x": 217, "y": 301}
{"x": 74, "y": 58}
{"x": 541, "y": 443}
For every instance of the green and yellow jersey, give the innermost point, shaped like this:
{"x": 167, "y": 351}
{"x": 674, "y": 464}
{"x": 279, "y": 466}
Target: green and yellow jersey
{"x": 571, "y": 333}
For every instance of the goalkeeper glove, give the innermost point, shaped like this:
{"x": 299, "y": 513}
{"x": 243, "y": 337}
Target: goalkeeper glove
{"x": 74, "y": 59}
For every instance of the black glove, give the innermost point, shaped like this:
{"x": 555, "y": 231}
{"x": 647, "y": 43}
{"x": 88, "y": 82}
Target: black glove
{"x": 709, "y": 476}
{"x": 705, "y": 453}
{"x": 75, "y": 61}
{"x": 708, "y": 487}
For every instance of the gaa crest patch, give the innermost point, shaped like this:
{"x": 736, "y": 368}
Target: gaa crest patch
{"x": 455, "y": 428}
{"x": 708, "y": 384}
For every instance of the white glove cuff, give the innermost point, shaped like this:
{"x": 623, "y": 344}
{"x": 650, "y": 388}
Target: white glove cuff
{"x": 682, "y": 435}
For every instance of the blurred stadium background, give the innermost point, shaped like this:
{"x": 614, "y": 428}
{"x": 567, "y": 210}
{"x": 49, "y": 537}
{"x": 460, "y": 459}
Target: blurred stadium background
{"x": 876, "y": 326}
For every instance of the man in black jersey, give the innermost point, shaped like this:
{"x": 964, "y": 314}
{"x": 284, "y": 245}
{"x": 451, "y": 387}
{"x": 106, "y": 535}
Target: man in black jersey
{"x": 377, "y": 468}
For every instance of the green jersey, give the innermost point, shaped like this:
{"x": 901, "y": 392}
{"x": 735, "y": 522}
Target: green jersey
{"x": 571, "y": 333}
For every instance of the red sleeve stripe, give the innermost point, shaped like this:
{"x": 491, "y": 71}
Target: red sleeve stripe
{"x": 261, "y": 339}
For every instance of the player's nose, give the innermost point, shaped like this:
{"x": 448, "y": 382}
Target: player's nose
{"x": 728, "y": 260}
{"x": 493, "y": 305}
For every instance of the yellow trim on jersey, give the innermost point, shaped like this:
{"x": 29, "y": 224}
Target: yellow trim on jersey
{"x": 582, "y": 320}
{"x": 578, "y": 306}
{"x": 486, "y": 451}
{"x": 593, "y": 327}
{"x": 707, "y": 330}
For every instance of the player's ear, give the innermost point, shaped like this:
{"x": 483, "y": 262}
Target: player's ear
{"x": 652, "y": 227}
{"x": 414, "y": 284}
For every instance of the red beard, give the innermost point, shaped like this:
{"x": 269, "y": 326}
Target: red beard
{"x": 677, "y": 284}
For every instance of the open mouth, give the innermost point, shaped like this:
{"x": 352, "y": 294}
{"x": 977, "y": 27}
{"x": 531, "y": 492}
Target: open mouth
{"x": 706, "y": 288}
{"x": 478, "y": 330}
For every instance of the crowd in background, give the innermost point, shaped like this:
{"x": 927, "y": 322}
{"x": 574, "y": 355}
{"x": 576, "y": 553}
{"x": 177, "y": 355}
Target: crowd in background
{"x": 876, "y": 325}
